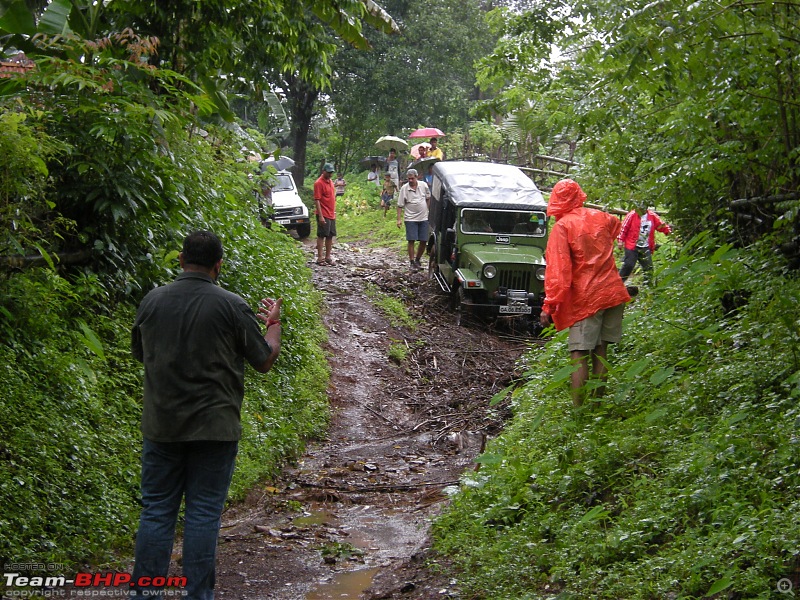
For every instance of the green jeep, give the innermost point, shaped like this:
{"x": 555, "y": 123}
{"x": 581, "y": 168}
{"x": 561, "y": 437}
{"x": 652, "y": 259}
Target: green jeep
{"x": 488, "y": 231}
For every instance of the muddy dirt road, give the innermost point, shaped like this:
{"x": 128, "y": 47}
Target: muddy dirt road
{"x": 351, "y": 519}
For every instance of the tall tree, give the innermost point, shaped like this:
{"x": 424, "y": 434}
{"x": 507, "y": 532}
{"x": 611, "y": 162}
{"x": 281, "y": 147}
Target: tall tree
{"x": 258, "y": 45}
{"x": 300, "y": 77}
{"x": 424, "y": 76}
{"x": 689, "y": 104}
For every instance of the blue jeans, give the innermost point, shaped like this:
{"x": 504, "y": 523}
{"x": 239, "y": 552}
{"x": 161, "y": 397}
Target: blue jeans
{"x": 201, "y": 472}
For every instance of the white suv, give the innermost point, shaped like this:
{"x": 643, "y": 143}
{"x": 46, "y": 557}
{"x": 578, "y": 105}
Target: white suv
{"x": 288, "y": 208}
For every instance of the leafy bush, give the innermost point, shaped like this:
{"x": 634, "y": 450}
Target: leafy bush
{"x": 136, "y": 178}
{"x": 68, "y": 423}
{"x": 681, "y": 482}
{"x": 359, "y": 216}
{"x": 120, "y": 150}
{"x": 24, "y": 209}
{"x": 71, "y": 394}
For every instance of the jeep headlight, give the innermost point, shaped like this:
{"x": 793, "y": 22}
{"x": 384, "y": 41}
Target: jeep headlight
{"x": 298, "y": 210}
{"x": 540, "y": 273}
{"x": 490, "y": 271}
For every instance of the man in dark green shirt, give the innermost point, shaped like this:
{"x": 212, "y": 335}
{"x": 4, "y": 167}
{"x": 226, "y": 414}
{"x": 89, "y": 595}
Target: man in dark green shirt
{"x": 193, "y": 338}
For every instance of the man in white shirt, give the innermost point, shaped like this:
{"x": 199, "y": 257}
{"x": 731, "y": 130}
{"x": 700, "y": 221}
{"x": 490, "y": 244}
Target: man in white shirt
{"x": 372, "y": 177}
{"x": 412, "y": 209}
{"x": 393, "y": 167}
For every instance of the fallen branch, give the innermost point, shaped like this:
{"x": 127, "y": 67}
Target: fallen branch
{"x": 37, "y": 260}
{"x": 377, "y": 414}
{"x": 766, "y": 199}
{"x": 614, "y": 211}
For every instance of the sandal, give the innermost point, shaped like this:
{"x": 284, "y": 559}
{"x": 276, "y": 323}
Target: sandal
{"x": 330, "y": 262}
{"x": 322, "y": 262}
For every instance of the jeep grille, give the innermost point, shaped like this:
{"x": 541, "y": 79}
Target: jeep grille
{"x": 284, "y": 213}
{"x": 515, "y": 280}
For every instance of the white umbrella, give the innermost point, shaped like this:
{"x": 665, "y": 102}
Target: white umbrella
{"x": 388, "y": 142}
{"x": 415, "y": 149}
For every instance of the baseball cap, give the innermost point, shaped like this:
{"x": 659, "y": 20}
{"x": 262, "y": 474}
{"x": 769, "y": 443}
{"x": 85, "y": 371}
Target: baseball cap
{"x": 328, "y": 167}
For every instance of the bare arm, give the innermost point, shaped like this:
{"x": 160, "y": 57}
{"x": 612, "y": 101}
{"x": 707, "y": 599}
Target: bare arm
{"x": 270, "y": 313}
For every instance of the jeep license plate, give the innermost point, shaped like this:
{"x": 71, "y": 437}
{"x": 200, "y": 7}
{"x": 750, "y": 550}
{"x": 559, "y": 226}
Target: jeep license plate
{"x": 282, "y": 221}
{"x": 515, "y": 310}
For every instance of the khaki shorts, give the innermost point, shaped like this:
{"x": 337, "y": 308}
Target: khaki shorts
{"x": 603, "y": 326}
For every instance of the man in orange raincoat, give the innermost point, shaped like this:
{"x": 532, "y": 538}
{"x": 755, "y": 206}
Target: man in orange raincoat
{"x": 583, "y": 288}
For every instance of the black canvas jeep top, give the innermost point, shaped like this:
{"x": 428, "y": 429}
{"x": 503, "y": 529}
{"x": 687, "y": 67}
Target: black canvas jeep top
{"x": 488, "y": 228}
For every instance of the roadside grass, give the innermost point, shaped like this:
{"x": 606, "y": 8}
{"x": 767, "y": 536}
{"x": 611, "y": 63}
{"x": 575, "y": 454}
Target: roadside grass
{"x": 398, "y": 351}
{"x": 680, "y": 483}
{"x": 393, "y": 308}
{"x": 359, "y": 216}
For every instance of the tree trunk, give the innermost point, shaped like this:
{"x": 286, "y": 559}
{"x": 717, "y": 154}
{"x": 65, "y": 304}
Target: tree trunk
{"x": 301, "y": 97}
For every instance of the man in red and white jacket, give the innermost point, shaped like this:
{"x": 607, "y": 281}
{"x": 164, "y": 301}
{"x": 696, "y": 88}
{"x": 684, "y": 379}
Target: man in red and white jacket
{"x": 638, "y": 237}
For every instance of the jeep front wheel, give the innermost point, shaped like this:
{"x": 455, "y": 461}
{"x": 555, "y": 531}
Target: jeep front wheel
{"x": 433, "y": 265}
{"x": 303, "y": 230}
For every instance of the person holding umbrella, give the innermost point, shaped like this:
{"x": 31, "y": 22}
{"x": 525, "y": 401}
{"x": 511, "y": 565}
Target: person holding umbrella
{"x": 372, "y": 177}
{"x": 434, "y": 134}
{"x": 393, "y": 167}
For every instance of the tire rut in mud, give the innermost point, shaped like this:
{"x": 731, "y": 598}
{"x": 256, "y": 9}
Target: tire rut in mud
{"x": 350, "y": 520}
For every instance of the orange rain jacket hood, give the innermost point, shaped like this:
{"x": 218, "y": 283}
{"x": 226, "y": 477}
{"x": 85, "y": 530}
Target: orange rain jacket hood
{"x": 582, "y": 276}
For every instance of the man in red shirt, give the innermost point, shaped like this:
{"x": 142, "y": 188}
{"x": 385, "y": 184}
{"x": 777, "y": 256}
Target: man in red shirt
{"x": 582, "y": 286}
{"x": 638, "y": 237}
{"x": 325, "y": 199}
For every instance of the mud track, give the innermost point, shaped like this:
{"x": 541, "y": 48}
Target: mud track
{"x": 351, "y": 519}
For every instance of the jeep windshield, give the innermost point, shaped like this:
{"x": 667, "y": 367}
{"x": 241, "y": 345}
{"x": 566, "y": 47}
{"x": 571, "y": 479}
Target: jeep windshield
{"x": 283, "y": 183}
{"x": 505, "y": 222}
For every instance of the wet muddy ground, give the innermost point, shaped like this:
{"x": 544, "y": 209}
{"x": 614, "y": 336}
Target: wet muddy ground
{"x": 351, "y": 519}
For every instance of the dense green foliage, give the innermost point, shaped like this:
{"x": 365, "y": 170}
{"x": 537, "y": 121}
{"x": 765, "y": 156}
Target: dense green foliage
{"x": 690, "y": 104}
{"x": 359, "y": 215}
{"x": 682, "y": 481}
{"x": 105, "y": 178}
{"x": 423, "y": 77}
{"x": 72, "y": 393}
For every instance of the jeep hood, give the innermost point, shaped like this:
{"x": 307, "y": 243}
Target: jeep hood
{"x": 504, "y": 254}
{"x": 285, "y": 199}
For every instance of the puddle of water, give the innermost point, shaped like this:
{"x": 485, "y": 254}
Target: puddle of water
{"x": 320, "y": 517}
{"x": 344, "y": 586}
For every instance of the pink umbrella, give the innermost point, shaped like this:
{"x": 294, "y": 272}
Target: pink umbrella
{"x": 426, "y": 132}
{"x": 415, "y": 149}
